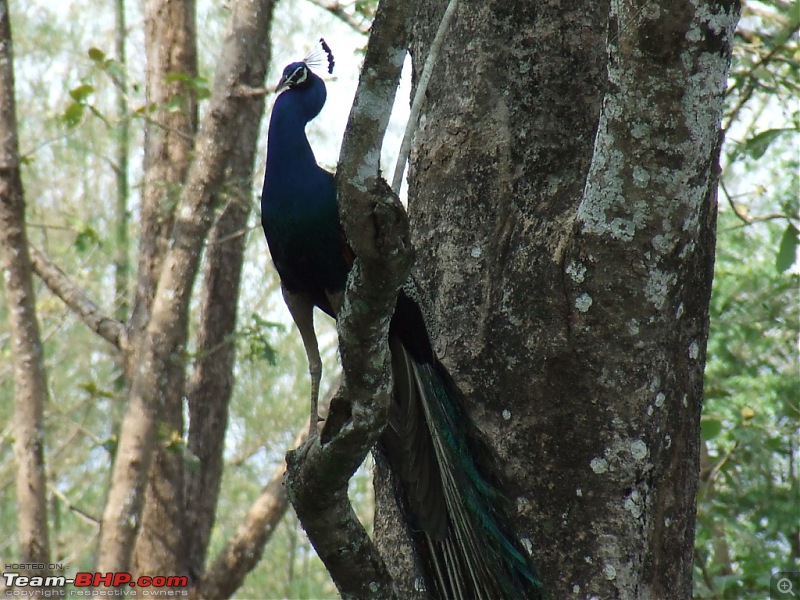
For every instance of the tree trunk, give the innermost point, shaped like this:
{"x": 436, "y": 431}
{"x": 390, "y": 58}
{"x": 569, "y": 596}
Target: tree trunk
{"x": 171, "y": 46}
{"x": 158, "y": 368}
{"x": 30, "y": 382}
{"x": 562, "y": 202}
{"x": 122, "y": 216}
{"x": 210, "y": 385}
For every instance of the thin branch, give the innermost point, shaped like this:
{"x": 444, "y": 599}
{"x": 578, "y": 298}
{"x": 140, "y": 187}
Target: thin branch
{"x": 732, "y": 204}
{"x": 188, "y": 136}
{"x": 377, "y": 229}
{"x": 61, "y": 285}
{"x": 748, "y": 220}
{"x": 243, "y": 550}
{"x": 715, "y": 471}
{"x": 752, "y": 81}
{"x": 246, "y": 91}
{"x": 92, "y": 520}
{"x": 419, "y": 95}
{"x": 234, "y": 235}
{"x": 339, "y": 11}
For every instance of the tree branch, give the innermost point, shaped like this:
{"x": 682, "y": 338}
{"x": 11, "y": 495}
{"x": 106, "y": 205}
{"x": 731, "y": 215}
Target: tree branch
{"x": 419, "y": 95}
{"x": 245, "y": 547}
{"x": 242, "y": 61}
{"x": 72, "y": 295}
{"x": 30, "y": 380}
{"x": 377, "y": 229}
{"x": 339, "y": 11}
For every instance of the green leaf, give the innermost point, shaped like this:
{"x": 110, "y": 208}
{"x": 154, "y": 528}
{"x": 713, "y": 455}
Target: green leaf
{"x": 73, "y": 115}
{"x": 177, "y": 77}
{"x": 95, "y": 391}
{"x": 787, "y": 249}
{"x": 87, "y": 237}
{"x": 114, "y": 69}
{"x": 174, "y": 104}
{"x": 80, "y": 93}
{"x": 110, "y": 444}
{"x": 255, "y": 337}
{"x": 96, "y": 54}
{"x": 757, "y": 145}
{"x": 191, "y": 460}
{"x": 710, "y": 428}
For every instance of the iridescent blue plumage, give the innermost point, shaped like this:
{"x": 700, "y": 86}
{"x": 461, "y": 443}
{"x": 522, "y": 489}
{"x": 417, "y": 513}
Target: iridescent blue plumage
{"x": 298, "y": 204}
{"x": 458, "y": 520}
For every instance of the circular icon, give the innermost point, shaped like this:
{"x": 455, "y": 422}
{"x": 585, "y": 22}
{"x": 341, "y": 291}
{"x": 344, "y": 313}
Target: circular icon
{"x": 785, "y": 586}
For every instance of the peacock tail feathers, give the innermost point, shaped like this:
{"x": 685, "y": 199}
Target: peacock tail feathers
{"x": 465, "y": 543}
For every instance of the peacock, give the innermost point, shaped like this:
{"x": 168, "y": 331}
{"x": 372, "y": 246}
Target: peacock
{"x": 458, "y": 520}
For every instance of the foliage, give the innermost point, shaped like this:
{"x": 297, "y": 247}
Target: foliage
{"x": 747, "y": 507}
{"x": 67, "y": 126}
{"x": 748, "y": 502}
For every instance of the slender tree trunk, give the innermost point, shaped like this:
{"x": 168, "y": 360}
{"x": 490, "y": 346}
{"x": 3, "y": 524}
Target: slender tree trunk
{"x": 571, "y": 152}
{"x": 171, "y": 54}
{"x": 30, "y": 381}
{"x": 171, "y": 46}
{"x": 210, "y": 385}
{"x": 121, "y": 218}
{"x": 158, "y": 367}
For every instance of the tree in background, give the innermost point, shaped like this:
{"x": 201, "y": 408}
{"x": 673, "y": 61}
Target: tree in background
{"x": 569, "y": 276}
{"x": 750, "y": 485}
{"x": 535, "y": 294}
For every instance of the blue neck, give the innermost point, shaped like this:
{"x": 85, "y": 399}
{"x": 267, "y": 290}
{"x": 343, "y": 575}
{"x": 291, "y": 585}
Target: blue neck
{"x": 288, "y": 152}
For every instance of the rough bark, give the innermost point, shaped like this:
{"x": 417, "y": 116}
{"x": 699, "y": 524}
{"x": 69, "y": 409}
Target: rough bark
{"x": 161, "y": 349}
{"x": 171, "y": 54}
{"x": 30, "y": 382}
{"x": 211, "y": 383}
{"x": 171, "y": 48}
{"x": 569, "y": 288}
{"x": 643, "y": 245}
{"x": 377, "y": 229}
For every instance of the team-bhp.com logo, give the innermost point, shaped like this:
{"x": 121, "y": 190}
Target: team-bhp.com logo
{"x": 20, "y": 585}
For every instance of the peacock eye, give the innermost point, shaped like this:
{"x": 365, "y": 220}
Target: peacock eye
{"x": 299, "y": 76}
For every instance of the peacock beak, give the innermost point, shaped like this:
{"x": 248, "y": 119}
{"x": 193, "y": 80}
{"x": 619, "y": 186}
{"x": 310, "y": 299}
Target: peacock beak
{"x": 282, "y": 84}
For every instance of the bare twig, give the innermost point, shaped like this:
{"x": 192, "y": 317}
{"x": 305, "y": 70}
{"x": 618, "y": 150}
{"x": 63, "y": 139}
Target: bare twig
{"x": 243, "y": 550}
{"x": 92, "y": 520}
{"x": 732, "y": 204}
{"x": 246, "y": 91}
{"x": 752, "y": 80}
{"x": 339, "y": 11}
{"x": 74, "y": 297}
{"x": 419, "y": 95}
{"x": 747, "y": 219}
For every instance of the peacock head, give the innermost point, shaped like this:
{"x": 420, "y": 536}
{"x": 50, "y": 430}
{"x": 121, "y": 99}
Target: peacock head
{"x": 299, "y": 74}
